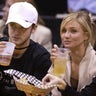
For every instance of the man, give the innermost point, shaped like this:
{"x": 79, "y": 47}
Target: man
{"x": 29, "y": 57}
{"x": 41, "y": 33}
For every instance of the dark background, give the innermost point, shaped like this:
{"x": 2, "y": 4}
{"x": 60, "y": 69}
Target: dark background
{"x": 48, "y": 9}
{"x": 51, "y": 7}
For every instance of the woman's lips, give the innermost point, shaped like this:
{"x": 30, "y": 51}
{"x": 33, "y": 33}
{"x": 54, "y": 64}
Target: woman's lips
{"x": 67, "y": 42}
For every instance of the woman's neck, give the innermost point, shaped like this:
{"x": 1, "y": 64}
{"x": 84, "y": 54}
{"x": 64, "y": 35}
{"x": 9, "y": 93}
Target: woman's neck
{"x": 76, "y": 55}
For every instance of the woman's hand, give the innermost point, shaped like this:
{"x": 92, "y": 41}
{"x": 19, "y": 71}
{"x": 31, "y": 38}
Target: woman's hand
{"x": 54, "y": 80}
{"x": 53, "y": 52}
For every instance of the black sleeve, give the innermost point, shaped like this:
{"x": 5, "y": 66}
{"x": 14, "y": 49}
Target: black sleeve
{"x": 3, "y": 38}
{"x": 41, "y": 67}
{"x": 89, "y": 90}
{"x": 7, "y": 86}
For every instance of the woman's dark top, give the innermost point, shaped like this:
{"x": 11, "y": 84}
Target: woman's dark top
{"x": 89, "y": 90}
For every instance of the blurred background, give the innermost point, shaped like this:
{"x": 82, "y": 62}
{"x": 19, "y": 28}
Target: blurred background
{"x": 52, "y": 12}
{"x": 48, "y": 10}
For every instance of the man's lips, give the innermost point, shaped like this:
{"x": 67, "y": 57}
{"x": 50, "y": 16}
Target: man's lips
{"x": 15, "y": 38}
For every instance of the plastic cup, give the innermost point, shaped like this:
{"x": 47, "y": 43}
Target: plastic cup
{"x": 6, "y": 54}
{"x": 59, "y": 66}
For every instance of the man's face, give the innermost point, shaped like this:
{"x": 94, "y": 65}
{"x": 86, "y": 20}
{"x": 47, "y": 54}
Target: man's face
{"x": 19, "y": 35}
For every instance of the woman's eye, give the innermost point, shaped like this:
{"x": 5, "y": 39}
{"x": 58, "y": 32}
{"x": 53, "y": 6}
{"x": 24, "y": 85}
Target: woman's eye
{"x": 64, "y": 31}
{"x": 73, "y": 31}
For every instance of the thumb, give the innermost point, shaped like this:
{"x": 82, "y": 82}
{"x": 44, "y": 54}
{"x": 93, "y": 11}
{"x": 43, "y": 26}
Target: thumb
{"x": 56, "y": 46}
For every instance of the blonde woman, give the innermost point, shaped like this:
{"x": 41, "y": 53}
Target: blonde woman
{"x": 76, "y": 34}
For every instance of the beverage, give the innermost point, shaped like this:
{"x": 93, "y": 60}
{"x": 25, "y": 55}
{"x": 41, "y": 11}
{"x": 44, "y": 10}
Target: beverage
{"x": 6, "y": 54}
{"x": 59, "y": 66}
{"x": 5, "y": 60}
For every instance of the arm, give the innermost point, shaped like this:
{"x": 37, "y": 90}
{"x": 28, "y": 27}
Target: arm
{"x": 42, "y": 64}
{"x": 66, "y": 90}
{"x": 89, "y": 90}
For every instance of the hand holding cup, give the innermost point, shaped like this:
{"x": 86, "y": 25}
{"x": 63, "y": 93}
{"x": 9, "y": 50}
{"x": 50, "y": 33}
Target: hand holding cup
{"x": 6, "y": 52}
{"x": 59, "y": 59}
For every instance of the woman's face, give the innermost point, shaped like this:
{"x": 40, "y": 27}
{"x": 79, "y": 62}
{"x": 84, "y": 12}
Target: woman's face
{"x": 72, "y": 35}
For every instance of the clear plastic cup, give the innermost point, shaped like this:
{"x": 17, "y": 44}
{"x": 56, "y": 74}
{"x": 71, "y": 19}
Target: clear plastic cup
{"x": 60, "y": 61}
{"x": 6, "y": 54}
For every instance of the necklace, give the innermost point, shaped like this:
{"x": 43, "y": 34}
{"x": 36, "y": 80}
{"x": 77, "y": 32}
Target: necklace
{"x": 22, "y": 48}
{"x": 17, "y": 55}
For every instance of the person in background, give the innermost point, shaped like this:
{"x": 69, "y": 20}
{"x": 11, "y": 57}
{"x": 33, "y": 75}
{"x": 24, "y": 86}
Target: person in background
{"x": 87, "y": 5}
{"x": 76, "y": 34}
{"x": 29, "y": 57}
{"x": 43, "y": 34}
{"x": 3, "y": 27}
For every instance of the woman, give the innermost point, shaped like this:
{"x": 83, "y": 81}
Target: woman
{"x": 76, "y": 34}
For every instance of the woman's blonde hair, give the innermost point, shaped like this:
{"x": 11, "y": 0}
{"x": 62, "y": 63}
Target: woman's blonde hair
{"x": 85, "y": 22}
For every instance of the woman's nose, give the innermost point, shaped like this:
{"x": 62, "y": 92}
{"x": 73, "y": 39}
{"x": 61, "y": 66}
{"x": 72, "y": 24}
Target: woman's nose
{"x": 67, "y": 34}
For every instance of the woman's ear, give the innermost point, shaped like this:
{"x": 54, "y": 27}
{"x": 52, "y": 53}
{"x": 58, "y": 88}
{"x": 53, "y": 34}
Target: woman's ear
{"x": 86, "y": 36}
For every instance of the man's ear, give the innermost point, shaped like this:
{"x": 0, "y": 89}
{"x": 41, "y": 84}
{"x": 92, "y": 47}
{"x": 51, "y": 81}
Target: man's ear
{"x": 34, "y": 27}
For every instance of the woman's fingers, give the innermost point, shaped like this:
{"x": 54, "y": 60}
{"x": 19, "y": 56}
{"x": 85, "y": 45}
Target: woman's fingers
{"x": 50, "y": 80}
